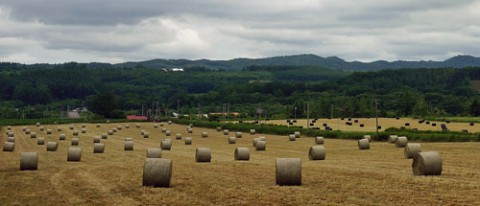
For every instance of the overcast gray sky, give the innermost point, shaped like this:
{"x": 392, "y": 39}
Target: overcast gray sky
{"x": 57, "y": 31}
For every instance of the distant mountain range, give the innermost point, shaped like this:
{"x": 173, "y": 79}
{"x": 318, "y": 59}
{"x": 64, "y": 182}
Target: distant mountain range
{"x": 305, "y": 60}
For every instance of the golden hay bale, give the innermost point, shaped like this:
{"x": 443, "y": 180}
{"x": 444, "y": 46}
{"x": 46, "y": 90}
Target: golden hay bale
{"x": 188, "y": 140}
{"x": 219, "y": 129}
{"x": 98, "y": 148}
{"x": 33, "y": 135}
{"x": 98, "y": 125}
{"x": 292, "y": 137}
{"x": 204, "y": 134}
{"x": 288, "y": 171}
{"x": 262, "y": 138}
{"x": 427, "y": 163}
{"x": 28, "y": 161}
{"x": 392, "y": 138}
{"x": 10, "y": 134}
{"x": 42, "y": 128}
{"x": 146, "y": 135}
{"x": 104, "y": 136}
{"x": 232, "y": 140}
{"x": 166, "y": 144}
{"x": 412, "y": 149}
{"x": 128, "y": 139}
{"x": 316, "y": 152}
{"x": 114, "y": 129}
{"x": 238, "y": 134}
{"x": 261, "y": 145}
{"x": 74, "y": 154}
{"x": 363, "y": 144}
{"x": 225, "y": 132}
{"x": 71, "y": 127}
{"x": 297, "y": 134}
{"x": 62, "y": 137}
{"x": 254, "y": 141}
{"x": 319, "y": 140}
{"x": 38, "y": 124}
{"x": 241, "y": 153}
{"x": 49, "y": 131}
{"x": 401, "y": 141}
{"x": 157, "y": 172}
{"x": 203, "y": 154}
{"x": 24, "y": 129}
{"x": 178, "y": 136}
{"x": 10, "y": 139}
{"x": 128, "y": 145}
{"x": 137, "y": 125}
{"x": 96, "y": 139}
{"x": 59, "y": 129}
{"x": 84, "y": 130}
{"x": 83, "y": 125}
{"x": 142, "y": 132}
{"x": 75, "y": 133}
{"x": 9, "y": 147}
{"x": 189, "y": 130}
{"x": 168, "y": 133}
{"x": 252, "y": 131}
{"x": 155, "y": 125}
{"x": 41, "y": 141}
{"x": 52, "y": 146}
{"x": 75, "y": 141}
{"x": 110, "y": 132}
{"x": 28, "y": 131}
{"x": 164, "y": 129}
{"x": 368, "y": 137}
{"x": 154, "y": 153}
{"x": 9, "y": 127}
{"x": 169, "y": 122}
{"x": 127, "y": 126}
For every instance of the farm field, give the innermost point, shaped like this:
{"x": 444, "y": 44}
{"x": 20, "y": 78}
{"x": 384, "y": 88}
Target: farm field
{"x": 348, "y": 176}
{"x": 385, "y": 123}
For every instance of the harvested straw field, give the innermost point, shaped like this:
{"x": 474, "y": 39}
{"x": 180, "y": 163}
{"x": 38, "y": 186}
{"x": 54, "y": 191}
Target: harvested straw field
{"x": 348, "y": 176}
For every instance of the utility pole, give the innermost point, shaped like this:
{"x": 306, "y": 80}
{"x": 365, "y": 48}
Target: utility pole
{"x": 376, "y": 116}
{"x": 308, "y": 115}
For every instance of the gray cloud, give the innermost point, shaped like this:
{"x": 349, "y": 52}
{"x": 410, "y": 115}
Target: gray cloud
{"x": 115, "y": 31}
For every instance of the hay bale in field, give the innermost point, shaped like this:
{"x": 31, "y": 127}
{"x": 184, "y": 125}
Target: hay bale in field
{"x": 71, "y": 127}
{"x": 434, "y": 124}
{"x": 127, "y": 126}
{"x": 164, "y": 129}
{"x": 407, "y": 124}
{"x": 368, "y": 137}
{"x": 38, "y": 124}
{"x": 142, "y": 132}
{"x": 178, "y": 136}
{"x": 401, "y": 141}
{"x": 33, "y": 135}
{"x": 128, "y": 145}
{"x": 28, "y": 161}
{"x": 362, "y": 125}
{"x": 157, "y": 172}
{"x": 188, "y": 140}
{"x": 10, "y": 134}
{"x": 412, "y": 149}
{"x": 262, "y": 138}
{"x": 292, "y": 137}
{"x": 189, "y": 130}
{"x": 168, "y": 133}
{"x": 42, "y": 128}
{"x": 52, "y": 146}
{"x": 252, "y": 131}
{"x": 155, "y": 125}
{"x": 288, "y": 171}
{"x": 96, "y": 139}
{"x": 137, "y": 125}
{"x": 9, "y": 147}
{"x": 319, "y": 140}
{"x": 203, "y": 154}
{"x": 110, "y": 132}
{"x": 297, "y": 134}
{"x": 62, "y": 137}
{"x": 97, "y": 125}
{"x": 128, "y": 139}
{"x": 9, "y": 127}
{"x": 104, "y": 136}
{"x": 83, "y": 125}
{"x": 169, "y": 122}
{"x": 59, "y": 129}
{"x": 392, "y": 139}
{"x": 10, "y": 139}
{"x": 114, "y": 129}
{"x": 75, "y": 133}
{"x": 146, "y": 135}
{"x": 28, "y": 131}
{"x": 24, "y": 129}
{"x": 261, "y": 146}
{"x": 75, "y": 141}
{"x": 204, "y": 134}
{"x": 427, "y": 163}
{"x": 225, "y": 132}
{"x": 49, "y": 131}
{"x": 241, "y": 154}
{"x": 84, "y": 130}
{"x": 472, "y": 123}
{"x": 363, "y": 144}
{"x": 98, "y": 148}
{"x": 41, "y": 141}
{"x": 166, "y": 144}
{"x": 74, "y": 154}
{"x": 316, "y": 152}
{"x": 219, "y": 129}
{"x": 154, "y": 153}
{"x": 254, "y": 141}
{"x": 232, "y": 140}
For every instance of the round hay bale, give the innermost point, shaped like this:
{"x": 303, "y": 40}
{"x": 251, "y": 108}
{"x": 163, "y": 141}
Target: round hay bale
{"x": 189, "y": 130}
{"x": 232, "y": 140}
{"x": 262, "y": 138}
{"x": 401, "y": 141}
{"x": 10, "y": 139}
{"x": 71, "y": 127}
{"x": 38, "y": 124}
{"x": 59, "y": 129}
{"x": 164, "y": 129}
{"x": 297, "y": 134}
{"x": 9, "y": 147}
{"x": 62, "y": 137}
{"x": 427, "y": 163}
{"x": 128, "y": 146}
{"x": 225, "y": 132}
{"x": 97, "y": 125}
{"x": 28, "y": 161}
{"x": 203, "y": 154}
{"x": 75, "y": 133}
{"x": 252, "y": 131}
{"x": 178, "y": 136}
{"x": 127, "y": 126}
{"x": 288, "y": 171}
{"x": 33, "y": 135}
{"x": 316, "y": 152}
{"x": 292, "y": 137}
{"x": 24, "y": 129}
{"x": 49, "y": 131}
{"x": 42, "y": 128}
{"x": 161, "y": 124}
{"x": 142, "y": 132}
{"x": 157, "y": 172}
{"x": 155, "y": 125}
{"x": 166, "y": 144}
{"x": 204, "y": 134}
{"x": 110, "y": 132}
{"x": 254, "y": 141}
{"x": 367, "y": 137}
{"x": 219, "y": 129}
{"x": 114, "y": 129}
{"x": 137, "y": 125}
{"x": 96, "y": 139}
{"x": 188, "y": 140}
{"x": 84, "y": 130}
{"x": 104, "y": 136}
{"x": 128, "y": 139}
{"x": 412, "y": 149}
{"x": 238, "y": 134}
{"x": 28, "y": 131}
{"x": 75, "y": 141}
{"x": 52, "y": 146}
{"x": 167, "y": 133}
{"x": 74, "y": 154}
{"x": 363, "y": 144}
{"x": 261, "y": 145}
{"x": 241, "y": 154}
{"x": 83, "y": 125}
{"x": 169, "y": 122}
{"x": 146, "y": 135}
{"x": 9, "y": 127}
{"x": 10, "y": 134}
{"x": 154, "y": 153}
{"x": 319, "y": 140}
{"x": 392, "y": 138}
{"x": 41, "y": 141}
{"x": 98, "y": 148}
{"x": 119, "y": 127}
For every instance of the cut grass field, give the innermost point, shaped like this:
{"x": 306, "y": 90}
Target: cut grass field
{"x": 348, "y": 176}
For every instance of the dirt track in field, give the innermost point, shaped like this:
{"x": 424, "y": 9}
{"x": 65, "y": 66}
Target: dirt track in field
{"x": 348, "y": 176}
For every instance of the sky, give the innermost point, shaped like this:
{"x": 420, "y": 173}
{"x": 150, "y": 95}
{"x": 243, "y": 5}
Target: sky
{"x": 114, "y": 31}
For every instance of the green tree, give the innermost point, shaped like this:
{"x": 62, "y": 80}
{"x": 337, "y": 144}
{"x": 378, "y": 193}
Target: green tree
{"x": 106, "y": 105}
{"x": 475, "y": 108}
{"x": 420, "y": 108}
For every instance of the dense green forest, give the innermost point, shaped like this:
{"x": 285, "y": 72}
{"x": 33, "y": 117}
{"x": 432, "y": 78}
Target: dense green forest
{"x": 45, "y": 90}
